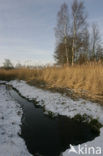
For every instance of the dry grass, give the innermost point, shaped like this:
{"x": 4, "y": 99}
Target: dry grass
{"x": 83, "y": 79}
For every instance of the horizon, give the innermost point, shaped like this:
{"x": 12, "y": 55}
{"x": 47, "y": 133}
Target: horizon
{"x": 27, "y": 29}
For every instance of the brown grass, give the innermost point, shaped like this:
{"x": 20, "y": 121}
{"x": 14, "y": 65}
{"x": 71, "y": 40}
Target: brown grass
{"x": 85, "y": 80}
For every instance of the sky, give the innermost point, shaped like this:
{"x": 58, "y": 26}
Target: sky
{"x": 27, "y": 28}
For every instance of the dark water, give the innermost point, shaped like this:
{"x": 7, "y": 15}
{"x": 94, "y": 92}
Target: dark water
{"x": 49, "y": 136}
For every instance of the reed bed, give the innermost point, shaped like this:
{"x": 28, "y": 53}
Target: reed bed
{"x": 86, "y": 78}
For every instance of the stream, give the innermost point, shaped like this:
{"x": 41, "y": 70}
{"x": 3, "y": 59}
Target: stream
{"x": 49, "y": 136}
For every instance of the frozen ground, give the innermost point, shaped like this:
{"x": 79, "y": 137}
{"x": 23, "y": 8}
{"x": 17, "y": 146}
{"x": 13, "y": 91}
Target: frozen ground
{"x": 58, "y": 104}
{"x": 10, "y": 119}
{"x": 53, "y": 102}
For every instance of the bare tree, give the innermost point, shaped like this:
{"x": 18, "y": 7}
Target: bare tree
{"x": 7, "y": 64}
{"x": 18, "y": 65}
{"x": 60, "y": 54}
{"x": 95, "y": 41}
{"x": 62, "y": 28}
{"x": 79, "y": 25}
{"x": 99, "y": 52}
{"x": 75, "y": 43}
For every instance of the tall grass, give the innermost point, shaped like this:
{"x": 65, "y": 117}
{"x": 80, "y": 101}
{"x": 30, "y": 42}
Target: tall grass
{"x": 86, "y": 78}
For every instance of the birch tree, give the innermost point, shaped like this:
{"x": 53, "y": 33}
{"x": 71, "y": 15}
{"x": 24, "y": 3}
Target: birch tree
{"x": 61, "y": 30}
{"x": 95, "y": 41}
{"x": 79, "y": 25}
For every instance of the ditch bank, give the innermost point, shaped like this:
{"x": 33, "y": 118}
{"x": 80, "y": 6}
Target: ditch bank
{"x": 50, "y": 136}
{"x": 55, "y": 104}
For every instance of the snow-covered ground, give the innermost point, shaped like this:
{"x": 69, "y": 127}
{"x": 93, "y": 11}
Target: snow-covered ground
{"x": 10, "y": 119}
{"x": 59, "y": 104}
{"x": 53, "y": 102}
{"x": 62, "y": 105}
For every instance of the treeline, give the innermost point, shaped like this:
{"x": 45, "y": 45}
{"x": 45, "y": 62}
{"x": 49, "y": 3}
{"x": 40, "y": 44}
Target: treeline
{"x": 76, "y": 40}
{"x": 7, "y": 65}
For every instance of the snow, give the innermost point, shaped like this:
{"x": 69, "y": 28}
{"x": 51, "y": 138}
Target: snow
{"x": 59, "y": 104}
{"x": 11, "y": 144}
{"x": 62, "y": 105}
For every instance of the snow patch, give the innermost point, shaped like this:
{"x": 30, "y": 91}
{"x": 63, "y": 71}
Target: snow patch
{"x": 10, "y": 142}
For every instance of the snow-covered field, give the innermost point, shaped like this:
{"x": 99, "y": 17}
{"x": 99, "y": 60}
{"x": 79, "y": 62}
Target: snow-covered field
{"x": 53, "y": 102}
{"x": 10, "y": 142}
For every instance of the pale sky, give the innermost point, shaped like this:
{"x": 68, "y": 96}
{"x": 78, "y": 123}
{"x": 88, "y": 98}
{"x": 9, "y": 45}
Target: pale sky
{"x": 27, "y": 28}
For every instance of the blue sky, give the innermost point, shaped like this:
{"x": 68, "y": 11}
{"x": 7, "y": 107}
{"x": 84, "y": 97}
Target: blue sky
{"x": 27, "y": 28}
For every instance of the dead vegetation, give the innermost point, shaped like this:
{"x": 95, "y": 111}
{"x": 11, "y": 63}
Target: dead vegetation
{"x": 84, "y": 80}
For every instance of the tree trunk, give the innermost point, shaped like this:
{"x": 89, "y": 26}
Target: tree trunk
{"x": 66, "y": 51}
{"x": 73, "y": 46}
{"x": 73, "y": 53}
